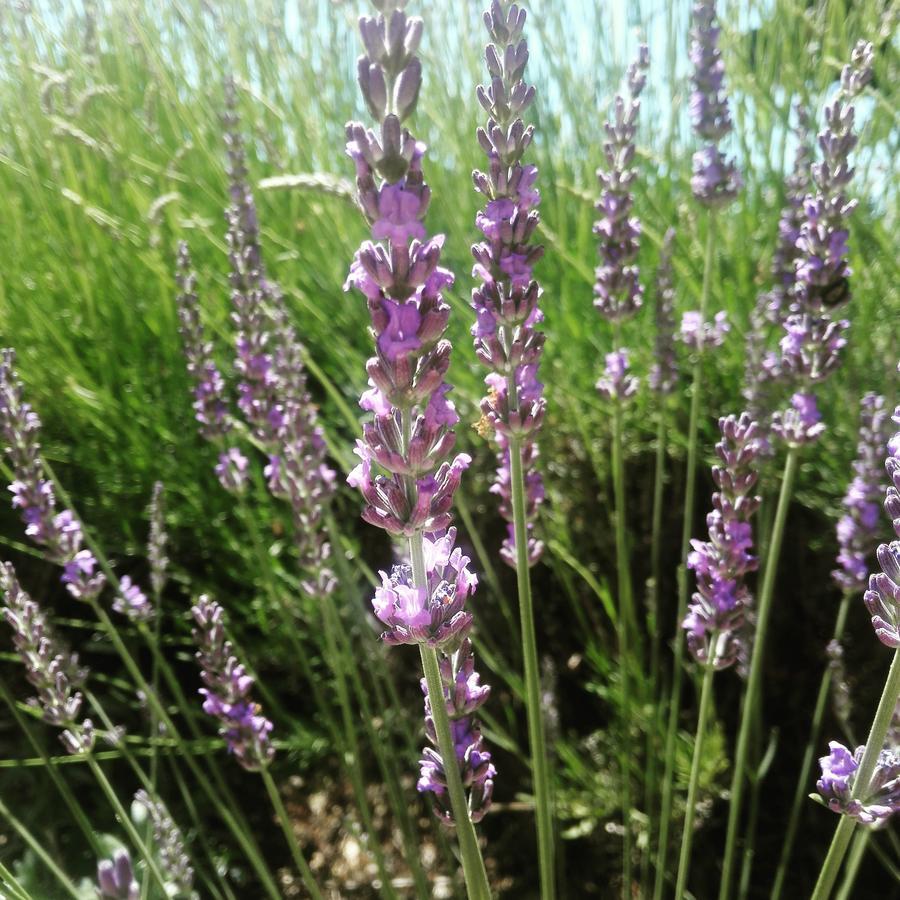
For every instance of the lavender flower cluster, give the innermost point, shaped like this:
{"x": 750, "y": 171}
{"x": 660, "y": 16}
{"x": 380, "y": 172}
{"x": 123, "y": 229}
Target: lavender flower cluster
{"x": 463, "y": 694}
{"x": 507, "y": 299}
{"x": 406, "y": 474}
{"x": 59, "y": 533}
{"x": 227, "y": 693}
{"x": 715, "y": 181}
{"x": 50, "y": 668}
{"x": 663, "y": 376}
{"x": 169, "y": 844}
{"x": 715, "y": 620}
{"x": 857, "y": 528}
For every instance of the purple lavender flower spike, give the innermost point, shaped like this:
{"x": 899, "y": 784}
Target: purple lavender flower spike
{"x": 58, "y": 533}
{"x": 715, "y": 621}
{"x": 115, "y": 877}
{"x": 699, "y": 335}
{"x": 463, "y": 695}
{"x": 227, "y": 693}
{"x": 157, "y": 541}
{"x": 506, "y": 302}
{"x": 663, "y": 377}
{"x": 813, "y": 338}
{"x": 407, "y": 474}
{"x": 168, "y": 842}
{"x": 232, "y": 470}
{"x": 50, "y": 668}
{"x": 618, "y": 293}
{"x": 835, "y": 786}
{"x": 801, "y": 423}
{"x": 715, "y": 181}
{"x": 210, "y": 405}
{"x": 857, "y": 528}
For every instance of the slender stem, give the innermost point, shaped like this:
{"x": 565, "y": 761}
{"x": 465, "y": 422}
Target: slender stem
{"x": 285, "y": 822}
{"x": 874, "y": 746}
{"x": 474, "y": 872}
{"x": 543, "y": 800}
{"x": 626, "y": 622}
{"x": 687, "y": 525}
{"x": 653, "y": 630}
{"x": 808, "y": 756}
{"x": 857, "y": 852}
{"x": 125, "y": 821}
{"x": 754, "y": 678}
{"x": 9, "y": 883}
{"x": 38, "y": 849}
{"x": 687, "y": 834}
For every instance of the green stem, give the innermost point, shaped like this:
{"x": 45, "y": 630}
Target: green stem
{"x": 857, "y": 852}
{"x": 474, "y": 872}
{"x": 754, "y": 678}
{"x": 38, "y": 849}
{"x": 285, "y": 822}
{"x": 13, "y": 889}
{"x": 874, "y": 746}
{"x": 802, "y": 788}
{"x": 687, "y": 525}
{"x": 653, "y": 630}
{"x": 626, "y": 624}
{"x": 543, "y": 800}
{"x": 127, "y": 824}
{"x": 687, "y": 834}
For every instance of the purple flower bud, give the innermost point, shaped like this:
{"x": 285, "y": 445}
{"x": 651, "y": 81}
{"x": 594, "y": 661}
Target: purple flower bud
{"x": 231, "y": 470}
{"x": 616, "y": 382}
{"x": 132, "y": 601}
{"x": 699, "y": 335}
{"x": 115, "y": 877}
{"x": 836, "y": 786}
{"x": 227, "y": 693}
{"x": 801, "y": 424}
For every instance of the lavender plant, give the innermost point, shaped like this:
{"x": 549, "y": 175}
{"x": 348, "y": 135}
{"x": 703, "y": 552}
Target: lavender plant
{"x": 410, "y": 437}
{"x": 714, "y": 183}
{"x": 810, "y": 353}
{"x": 865, "y": 786}
{"x": 507, "y": 341}
{"x": 618, "y": 295}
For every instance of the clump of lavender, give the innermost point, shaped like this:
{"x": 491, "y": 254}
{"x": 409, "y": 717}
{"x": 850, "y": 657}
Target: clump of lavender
{"x": 227, "y": 693}
{"x": 616, "y": 382}
{"x": 715, "y": 181}
{"x": 663, "y": 376}
{"x": 463, "y": 695}
{"x": 857, "y": 528}
{"x": 715, "y": 620}
{"x": 59, "y": 533}
{"x": 169, "y": 844}
{"x": 132, "y": 602}
{"x": 836, "y": 785}
{"x": 405, "y": 474}
{"x": 699, "y": 335}
{"x": 50, "y": 668}
{"x": 813, "y": 338}
{"x": 115, "y": 877}
{"x": 507, "y": 300}
{"x": 801, "y": 423}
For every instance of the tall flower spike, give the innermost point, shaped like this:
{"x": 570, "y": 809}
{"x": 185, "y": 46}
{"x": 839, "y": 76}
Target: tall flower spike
{"x": 857, "y": 529}
{"x": 663, "y": 377}
{"x": 169, "y": 845}
{"x": 506, "y": 300}
{"x": 227, "y": 693}
{"x": 463, "y": 695}
{"x": 406, "y": 474}
{"x": 716, "y": 616}
{"x": 618, "y": 291}
{"x": 51, "y": 669}
{"x": 813, "y": 338}
{"x": 882, "y": 599}
{"x": 715, "y": 180}
{"x": 835, "y": 786}
{"x": 210, "y": 405}
{"x": 58, "y": 533}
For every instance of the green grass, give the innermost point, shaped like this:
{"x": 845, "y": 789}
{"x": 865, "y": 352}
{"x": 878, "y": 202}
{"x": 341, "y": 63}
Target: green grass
{"x": 111, "y": 151}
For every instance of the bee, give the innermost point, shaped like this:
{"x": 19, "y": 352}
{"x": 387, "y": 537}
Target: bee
{"x": 833, "y": 294}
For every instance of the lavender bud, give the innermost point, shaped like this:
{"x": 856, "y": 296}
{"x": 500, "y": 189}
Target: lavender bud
{"x": 157, "y": 541}
{"x": 836, "y": 784}
{"x": 699, "y": 335}
{"x": 115, "y": 877}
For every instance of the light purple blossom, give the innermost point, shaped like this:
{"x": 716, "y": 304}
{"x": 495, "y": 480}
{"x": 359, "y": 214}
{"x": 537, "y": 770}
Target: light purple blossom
{"x": 699, "y": 335}
{"x": 115, "y": 877}
{"x": 132, "y": 602}
{"x": 715, "y": 180}
{"x": 801, "y": 423}
{"x": 837, "y": 782}
{"x": 716, "y": 617}
{"x": 857, "y": 529}
{"x": 227, "y": 692}
{"x": 506, "y": 301}
{"x": 232, "y": 470}
{"x": 616, "y": 382}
